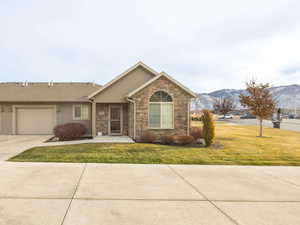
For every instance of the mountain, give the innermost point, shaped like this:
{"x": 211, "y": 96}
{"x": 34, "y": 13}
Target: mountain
{"x": 288, "y": 97}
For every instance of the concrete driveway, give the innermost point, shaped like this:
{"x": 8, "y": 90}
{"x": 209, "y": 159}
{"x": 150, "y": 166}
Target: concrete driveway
{"x": 11, "y": 145}
{"x": 114, "y": 194}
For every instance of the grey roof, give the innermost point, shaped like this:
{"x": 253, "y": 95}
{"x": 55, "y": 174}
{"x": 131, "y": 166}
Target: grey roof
{"x": 46, "y": 92}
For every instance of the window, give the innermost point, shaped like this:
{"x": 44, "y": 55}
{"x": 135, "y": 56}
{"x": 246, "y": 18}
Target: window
{"x": 161, "y": 111}
{"x": 81, "y": 112}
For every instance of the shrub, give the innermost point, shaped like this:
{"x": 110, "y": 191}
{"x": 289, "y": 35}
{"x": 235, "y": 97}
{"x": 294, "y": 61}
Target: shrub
{"x": 196, "y": 133}
{"x": 208, "y": 127}
{"x": 148, "y": 137}
{"x": 69, "y": 131}
{"x": 185, "y": 140}
{"x": 196, "y": 117}
{"x": 167, "y": 140}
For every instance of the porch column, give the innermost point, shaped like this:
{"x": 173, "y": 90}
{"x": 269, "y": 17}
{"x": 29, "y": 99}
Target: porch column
{"x": 94, "y": 131}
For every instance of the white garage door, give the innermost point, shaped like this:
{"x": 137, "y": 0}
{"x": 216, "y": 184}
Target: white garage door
{"x": 35, "y": 120}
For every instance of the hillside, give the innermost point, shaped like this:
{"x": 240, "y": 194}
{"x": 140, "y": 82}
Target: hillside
{"x": 287, "y": 96}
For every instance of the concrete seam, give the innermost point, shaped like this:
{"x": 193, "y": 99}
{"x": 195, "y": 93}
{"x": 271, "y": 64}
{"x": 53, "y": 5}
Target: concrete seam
{"x": 186, "y": 200}
{"x": 76, "y": 187}
{"x": 200, "y": 193}
{"x": 281, "y": 179}
{"x": 149, "y": 199}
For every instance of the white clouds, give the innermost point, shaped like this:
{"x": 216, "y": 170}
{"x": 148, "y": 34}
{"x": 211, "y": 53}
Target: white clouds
{"x": 205, "y": 44}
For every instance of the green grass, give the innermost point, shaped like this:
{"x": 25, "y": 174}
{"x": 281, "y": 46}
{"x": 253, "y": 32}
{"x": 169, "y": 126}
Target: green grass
{"x": 240, "y": 146}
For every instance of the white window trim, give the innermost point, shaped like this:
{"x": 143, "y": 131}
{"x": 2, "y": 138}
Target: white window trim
{"x": 80, "y": 118}
{"x": 160, "y": 128}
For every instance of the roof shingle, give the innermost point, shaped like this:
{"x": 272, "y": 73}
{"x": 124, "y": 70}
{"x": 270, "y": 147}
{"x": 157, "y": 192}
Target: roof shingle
{"x": 46, "y": 92}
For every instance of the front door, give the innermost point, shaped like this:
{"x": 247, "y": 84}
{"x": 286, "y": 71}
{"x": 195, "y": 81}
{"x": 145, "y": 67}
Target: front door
{"x": 115, "y": 120}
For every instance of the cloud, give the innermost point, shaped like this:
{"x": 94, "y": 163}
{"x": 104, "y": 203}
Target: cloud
{"x": 207, "y": 45}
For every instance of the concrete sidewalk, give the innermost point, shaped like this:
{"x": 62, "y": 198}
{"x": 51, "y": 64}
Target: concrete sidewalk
{"x": 114, "y": 194}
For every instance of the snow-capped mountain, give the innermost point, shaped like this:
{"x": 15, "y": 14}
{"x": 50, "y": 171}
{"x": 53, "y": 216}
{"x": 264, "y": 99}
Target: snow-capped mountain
{"x": 288, "y": 97}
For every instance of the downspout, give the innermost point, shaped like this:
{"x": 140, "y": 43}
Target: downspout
{"x": 134, "y": 110}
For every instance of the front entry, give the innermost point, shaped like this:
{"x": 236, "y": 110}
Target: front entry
{"x": 115, "y": 121}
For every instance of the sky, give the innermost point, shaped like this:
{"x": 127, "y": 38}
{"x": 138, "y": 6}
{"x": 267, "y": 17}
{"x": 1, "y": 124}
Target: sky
{"x": 206, "y": 45}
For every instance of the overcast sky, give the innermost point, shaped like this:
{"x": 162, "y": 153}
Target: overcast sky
{"x": 206, "y": 45}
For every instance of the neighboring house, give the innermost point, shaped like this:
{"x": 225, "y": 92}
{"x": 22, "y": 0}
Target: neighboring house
{"x": 138, "y": 100}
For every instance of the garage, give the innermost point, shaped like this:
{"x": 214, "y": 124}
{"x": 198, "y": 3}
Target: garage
{"x": 34, "y": 120}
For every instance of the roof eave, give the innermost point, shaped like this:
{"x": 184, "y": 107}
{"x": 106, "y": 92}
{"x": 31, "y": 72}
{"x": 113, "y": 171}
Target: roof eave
{"x": 42, "y": 101}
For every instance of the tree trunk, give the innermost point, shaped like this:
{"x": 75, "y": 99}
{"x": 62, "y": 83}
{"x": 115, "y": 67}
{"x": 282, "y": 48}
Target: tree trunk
{"x": 261, "y": 128}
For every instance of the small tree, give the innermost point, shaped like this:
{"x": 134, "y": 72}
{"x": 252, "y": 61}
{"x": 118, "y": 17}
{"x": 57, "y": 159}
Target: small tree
{"x": 224, "y": 105}
{"x": 259, "y": 101}
{"x": 208, "y": 127}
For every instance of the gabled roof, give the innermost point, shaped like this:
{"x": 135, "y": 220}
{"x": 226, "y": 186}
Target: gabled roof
{"x": 123, "y": 75}
{"x": 46, "y": 92}
{"x": 163, "y": 74}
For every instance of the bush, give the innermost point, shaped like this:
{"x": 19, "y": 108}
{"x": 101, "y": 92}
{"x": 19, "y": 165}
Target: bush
{"x": 208, "y": 127}
{"x": 196, "y": 117}
{"x": 185, "y": 140}
{"x": 69, "y": 131}
{"x": 167, "y": 140}
{"x": 148, "y": 137}
{"x": 196, "y": 133}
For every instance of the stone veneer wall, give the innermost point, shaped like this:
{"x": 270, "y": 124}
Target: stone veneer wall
{"x": 102, "y": 118}
{"x": 130, "y": 119}
{"x": 125, "y": 119}
{"x": 181, "y": 101}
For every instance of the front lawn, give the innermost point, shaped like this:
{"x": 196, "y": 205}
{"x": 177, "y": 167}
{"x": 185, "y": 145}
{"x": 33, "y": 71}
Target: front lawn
{"x": 236, "y": 145}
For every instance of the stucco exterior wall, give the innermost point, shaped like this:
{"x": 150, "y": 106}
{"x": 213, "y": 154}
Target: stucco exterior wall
{"x": 116, "y": 92}
{"x": 181, "y": 101}
{"x": 64, "y": 114}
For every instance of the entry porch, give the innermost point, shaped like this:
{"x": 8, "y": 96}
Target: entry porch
{"x": 111, "y": 119}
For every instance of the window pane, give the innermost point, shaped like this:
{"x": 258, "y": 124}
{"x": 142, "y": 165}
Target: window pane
{"x": 155, "y": 97}
{"x": 81, "y": 112}
{"x": 164, "y": 97}
{"x": 167, "y": 115}
{"x": 77, "y": 109}
{"x": 154, "y": 115}
{"x": 168, "y": 98}
{"x": 115, "y": 113}
{"x": 84, "y": 112}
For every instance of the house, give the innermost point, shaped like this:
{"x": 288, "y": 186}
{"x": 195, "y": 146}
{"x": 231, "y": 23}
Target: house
{"x": 138, "y": 100}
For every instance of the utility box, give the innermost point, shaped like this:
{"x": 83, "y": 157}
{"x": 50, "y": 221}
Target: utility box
{"x": 276, "y": 124}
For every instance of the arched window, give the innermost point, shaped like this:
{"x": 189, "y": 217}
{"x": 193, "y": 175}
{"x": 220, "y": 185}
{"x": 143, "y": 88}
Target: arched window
{"x": 161, "y": 96}
{"x": 161, "y": 111}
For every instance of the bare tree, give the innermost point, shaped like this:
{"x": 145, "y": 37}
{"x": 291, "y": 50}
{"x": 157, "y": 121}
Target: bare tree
{"x": 259, "y": 101}
{"x": 224, "y": 105}
{"x": 197, "y": 102}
